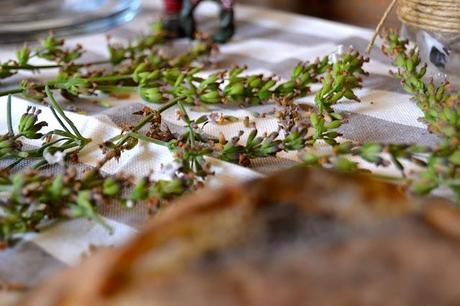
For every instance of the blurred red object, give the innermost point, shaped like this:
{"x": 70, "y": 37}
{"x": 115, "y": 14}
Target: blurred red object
{"x": 173, "y": 6}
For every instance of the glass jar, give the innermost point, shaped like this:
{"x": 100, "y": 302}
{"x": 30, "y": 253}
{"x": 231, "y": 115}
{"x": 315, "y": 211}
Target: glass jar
{"x": 26, "y": 20}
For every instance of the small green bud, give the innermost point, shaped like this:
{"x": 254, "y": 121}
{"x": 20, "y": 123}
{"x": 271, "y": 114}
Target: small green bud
{"x": 315, "y": 120}
{"x": 166, "y": 189}
{"x": 23, "y": 56}
{"x": 294, "y": 141}
{"x": 287, "y": 87}
{"x": 51, "y": 42}
{"x": 338, "y": 83}
{"x": 310, "y": 159}
{"x": 152, "y": 95}
{"x": 76, "y": 85}
{"x": 5, "y": 72}
{"x": 343, "y": 164}
{"x": 136, "y": 74}
{"x": 8, "y": 145}
{"x": 140, "y": 191}
{"x": 234, "y": 72}
{"x": 211, "y": 79}
{"x": 56, "y": 188}
{"x": 210, "y": 97}
{"x": 424, "y": 186}
{"x": 343, "y": 148}
{"x": 236, "y": 89}
{"x": 370, "y": 152}
{"x": 201, "y": 119}
{"x": 110, "y": 187}
{"x": 254, "y": 82}
{"x": 263, "y": 95}
{"x": 268, "y": 85}
{"x": 117, "y": 54}
{"x": 297, "y": 71}
{"x": 28, "y": 125}
{"x": 333, "y": 125}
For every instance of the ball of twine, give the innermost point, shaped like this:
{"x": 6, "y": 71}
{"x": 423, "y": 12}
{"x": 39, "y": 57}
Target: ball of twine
{"x": 431, "y": 15}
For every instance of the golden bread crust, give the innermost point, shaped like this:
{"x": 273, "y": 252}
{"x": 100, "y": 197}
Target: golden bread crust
{"x": 301, "y": 237}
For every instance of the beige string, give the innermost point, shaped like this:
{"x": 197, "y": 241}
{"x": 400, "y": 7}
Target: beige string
{"x": 380, "y": 25}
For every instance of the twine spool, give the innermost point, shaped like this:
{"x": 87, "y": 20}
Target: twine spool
{"x": 431, "y": 15}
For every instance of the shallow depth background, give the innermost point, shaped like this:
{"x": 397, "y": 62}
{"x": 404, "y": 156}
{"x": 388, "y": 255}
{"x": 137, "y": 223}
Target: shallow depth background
{"x": 365, "y": 13}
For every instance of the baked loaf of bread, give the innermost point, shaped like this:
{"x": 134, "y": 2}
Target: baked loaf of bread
{"x": 302, "y": 237}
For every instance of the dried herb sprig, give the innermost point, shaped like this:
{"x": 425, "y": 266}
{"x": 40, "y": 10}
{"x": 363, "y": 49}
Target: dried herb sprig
{"x": 380, "y": 155}
{"x": 32, "y": 199}
{"x": 441, "y": 109}
{"x": 163, "y": 85}
{"x": 77, "y": 79}
{"x": 57, "y": 144}
{"x": 440, "y": 105}
{"x": 139, "y": 67}
{"x": 304, "y": 127}
{"x": 74, "y": 83}
{"x": 159, "y": 80}
{"x": 187, "y": 88}
{"x": 52, "y": 49}
{"x": 119, "y": 53}
{"x": 299, "y": 133}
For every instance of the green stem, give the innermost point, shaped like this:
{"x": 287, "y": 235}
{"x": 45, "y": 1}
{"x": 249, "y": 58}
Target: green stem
{"x": 188, "y": 122}
{"x": 32, "y": 67}
{"x": 101, "y": 62}
{"x": 38, "y": 67}
{"x": 13, "y": 164}
{"x": 110, "y": 78}
{"x": 17, "y": 136}
{"x": 147, "y": 139}
{"x": 38, "y": 153}
{"x": 8, "y": 116}
{"x": 49, "y": 144}
{"x": 147, "y": 119}
{"x": 168, "y": 105}
{"x": 60, "y": 121}
{"x": 10, "y": 92}
{"x": 58, "y": 108}
{"x": 69, "y": 146}
{"x": 143, "y": 122}
{"x": 40, "y": 164}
